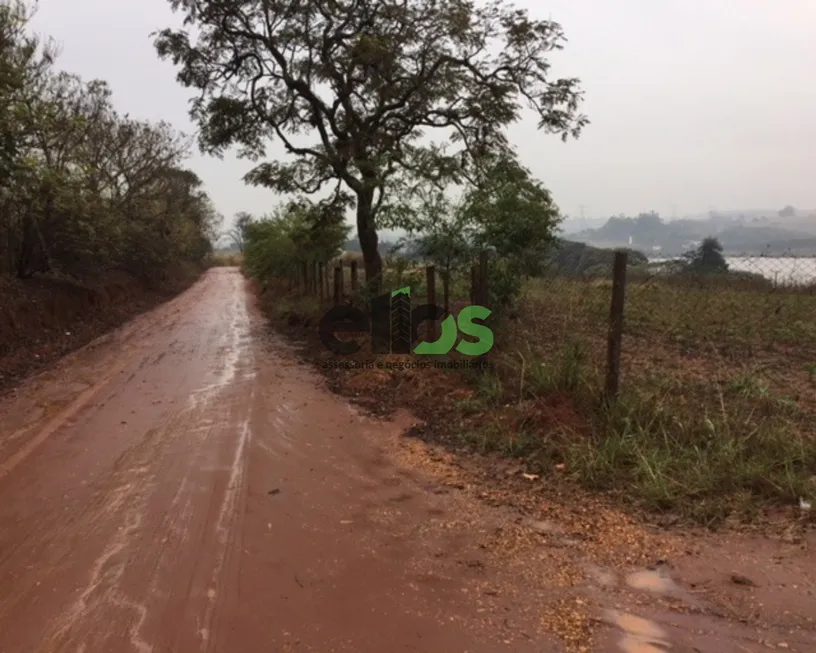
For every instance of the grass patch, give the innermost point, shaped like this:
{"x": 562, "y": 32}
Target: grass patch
{"x": 716, "y": 418}
{"x": 696, "y": 311}
{"x": 292, "y": 309}
{"x": 717, "y": 415}
{"x": 704, "y": 465}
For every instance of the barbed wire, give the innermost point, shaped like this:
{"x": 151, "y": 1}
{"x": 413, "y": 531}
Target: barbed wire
{"x": 702, "y": 332}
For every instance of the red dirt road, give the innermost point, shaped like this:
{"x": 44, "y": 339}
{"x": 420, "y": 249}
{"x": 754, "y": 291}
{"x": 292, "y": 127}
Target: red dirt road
{"x": 184, "y": 484}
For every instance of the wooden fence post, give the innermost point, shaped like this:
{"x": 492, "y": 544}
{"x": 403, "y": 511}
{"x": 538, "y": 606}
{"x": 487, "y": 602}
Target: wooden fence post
{"x": 616, "y": 312}
{"x": 430, "y": 275}
{"x": 355, "y": 284}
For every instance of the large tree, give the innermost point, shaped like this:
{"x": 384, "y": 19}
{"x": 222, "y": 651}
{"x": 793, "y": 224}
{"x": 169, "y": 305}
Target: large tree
{"x": 351, "y": 87}
{"x": 238, "y": 231}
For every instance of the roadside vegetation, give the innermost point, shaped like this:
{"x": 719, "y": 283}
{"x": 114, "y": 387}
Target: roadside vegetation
{"x": 99, "y": 217}
{"x": 716, "y": 414}
{"x": 83, "y": 189}
{"x": 225, "y": 259}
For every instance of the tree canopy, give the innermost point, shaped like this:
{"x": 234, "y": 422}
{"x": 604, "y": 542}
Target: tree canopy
{"x": 351, "y": 89}
{"x": 509, "y": 213}
{"x": 237, "y": 234}
{"x": 707, "y": 258}
{"x": 84, "y": 189}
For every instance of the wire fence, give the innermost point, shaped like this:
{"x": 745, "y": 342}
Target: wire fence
{"x": 701, "y": 342}
{"x": 750, "y": 330}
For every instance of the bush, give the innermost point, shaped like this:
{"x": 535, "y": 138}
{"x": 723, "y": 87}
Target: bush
{"x": 295, "y": 237}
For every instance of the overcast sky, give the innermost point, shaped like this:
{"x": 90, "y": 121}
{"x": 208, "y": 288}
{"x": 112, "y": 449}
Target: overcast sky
{"x": 695, "y": 104}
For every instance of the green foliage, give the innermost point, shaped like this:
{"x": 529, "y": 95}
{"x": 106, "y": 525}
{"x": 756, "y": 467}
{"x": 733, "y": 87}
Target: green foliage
{"x": 367, "y": 81}
{"x": 504, "y": 283}
{"x": 705, "y": 465}
{"x": 318, "y": 230}
{"x": 513, "y": 215}
{"x": 299, "y": 233}
{"x": 269, "y": 251}
{"x": 707, "y": 258}
{"x": 82, "y": 189}
{"x": 238, "y": 232}
{"x": 441, "y": 231}
{"x": 508, "y": 213}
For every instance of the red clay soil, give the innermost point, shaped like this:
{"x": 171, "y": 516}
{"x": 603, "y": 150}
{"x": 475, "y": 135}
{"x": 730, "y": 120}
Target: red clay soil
{"x": 187, "y": 484}
{"x": 42, "y": 319}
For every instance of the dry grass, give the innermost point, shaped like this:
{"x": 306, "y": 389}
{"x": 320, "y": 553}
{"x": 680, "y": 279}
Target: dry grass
{"x": 229, "y": 260}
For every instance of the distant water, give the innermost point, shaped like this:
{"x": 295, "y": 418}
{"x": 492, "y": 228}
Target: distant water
{"x": 782, "y": 270}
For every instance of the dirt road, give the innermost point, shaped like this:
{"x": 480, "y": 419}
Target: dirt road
{"x": 185, "y": 485}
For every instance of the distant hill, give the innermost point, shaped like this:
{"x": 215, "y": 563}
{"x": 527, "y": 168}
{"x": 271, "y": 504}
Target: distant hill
{"x": 765, "y": 240}
{"x": 576, "y": 225}
{"x": 651, "y": 234}
{"x": 569, "y": 258}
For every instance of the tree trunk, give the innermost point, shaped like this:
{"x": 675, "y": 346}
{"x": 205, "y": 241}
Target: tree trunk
{"x": 369, "y": 243}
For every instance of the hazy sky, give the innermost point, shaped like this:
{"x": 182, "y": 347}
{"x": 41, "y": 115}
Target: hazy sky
{"x": 695, "y": 104}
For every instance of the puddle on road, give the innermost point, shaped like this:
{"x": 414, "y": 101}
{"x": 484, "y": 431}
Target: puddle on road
{"x": 633, "y": 645}
{"x": 603, "y": 577}
{"x": 640, "y": 635}
{"x": 655, "y": 581}
{"x": 651, "y": 580}
{"x": 659, "y": 581}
